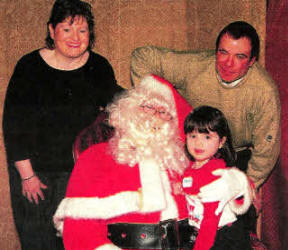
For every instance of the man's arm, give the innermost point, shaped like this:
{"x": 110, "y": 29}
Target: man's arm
{"x": 169, "y": 64}
{"x": 265, "y": 137}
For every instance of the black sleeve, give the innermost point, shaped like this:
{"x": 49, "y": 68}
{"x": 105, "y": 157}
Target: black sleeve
{"x": 114, "y": 88}
{"x": 105, "y": 82}
{"x": 19, "y": 117}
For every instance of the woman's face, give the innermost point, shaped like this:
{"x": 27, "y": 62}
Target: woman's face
{"x": 71, "y": 39}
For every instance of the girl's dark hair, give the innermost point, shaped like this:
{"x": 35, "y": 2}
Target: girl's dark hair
{"x": 70, "y": 8}
{"x": 204, "y": 119}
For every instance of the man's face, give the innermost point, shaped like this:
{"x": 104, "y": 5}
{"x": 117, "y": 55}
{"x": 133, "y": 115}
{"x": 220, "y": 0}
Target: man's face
{"x": 233, "y": 58}
{"x": 71, "y": 39}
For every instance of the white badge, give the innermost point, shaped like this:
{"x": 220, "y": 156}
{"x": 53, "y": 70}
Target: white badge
{"x": 187, "y": 182}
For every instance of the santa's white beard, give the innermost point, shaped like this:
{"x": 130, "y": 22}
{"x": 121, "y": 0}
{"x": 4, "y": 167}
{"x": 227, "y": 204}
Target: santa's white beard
{"x": 147, "y": 136}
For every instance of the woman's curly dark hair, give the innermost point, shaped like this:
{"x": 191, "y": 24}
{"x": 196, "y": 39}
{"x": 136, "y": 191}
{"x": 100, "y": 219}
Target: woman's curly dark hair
{"x": 63, "y": 9}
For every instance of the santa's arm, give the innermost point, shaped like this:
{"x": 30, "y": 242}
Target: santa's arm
{"x": 231, "y": 185}
{"x": 85, "y": 205}
{"x": 149, "y": 198}
{"x": 96, "y": 208}
{"x": 89, "y": 202}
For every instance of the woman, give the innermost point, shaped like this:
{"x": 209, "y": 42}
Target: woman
{"x": 53, "y": 94}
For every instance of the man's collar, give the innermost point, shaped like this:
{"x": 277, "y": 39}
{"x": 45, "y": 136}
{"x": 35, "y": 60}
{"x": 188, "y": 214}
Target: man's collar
{"x": 229, "y": 84}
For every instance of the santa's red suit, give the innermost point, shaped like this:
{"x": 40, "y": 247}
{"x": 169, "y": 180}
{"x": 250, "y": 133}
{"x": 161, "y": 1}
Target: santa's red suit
{"x": 114, "y": 189}
{"x": 102, "y": 191}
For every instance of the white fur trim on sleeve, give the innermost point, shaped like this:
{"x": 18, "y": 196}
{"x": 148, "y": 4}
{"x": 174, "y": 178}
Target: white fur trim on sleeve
{"x": 108, "y": 247}
{"x": 171, "y": 210}
{"x": 247, "y": 194}
{"x": 153, "y": 197}
{"x": 96, "y": 208}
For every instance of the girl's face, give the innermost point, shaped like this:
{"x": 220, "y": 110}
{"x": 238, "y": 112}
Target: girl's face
{"x": 203, "y": 146}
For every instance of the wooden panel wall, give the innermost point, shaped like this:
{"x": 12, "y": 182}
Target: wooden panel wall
{"x": 121, "y": 25}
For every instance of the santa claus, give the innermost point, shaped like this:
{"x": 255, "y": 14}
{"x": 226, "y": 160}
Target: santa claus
{"x": 126, "y": 193}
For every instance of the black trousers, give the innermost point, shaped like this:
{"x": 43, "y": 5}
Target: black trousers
{"x": 33, "y": 222}
{"x": 234, "y": 237}
{"x": 250, "y": 217}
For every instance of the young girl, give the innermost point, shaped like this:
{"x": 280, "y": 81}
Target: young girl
{"x": 209, "y": 146}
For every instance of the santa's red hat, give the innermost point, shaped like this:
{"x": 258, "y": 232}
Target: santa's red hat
{"x": 154, "y": 83}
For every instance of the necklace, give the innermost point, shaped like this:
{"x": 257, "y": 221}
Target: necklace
{"x": 198, "y": 165}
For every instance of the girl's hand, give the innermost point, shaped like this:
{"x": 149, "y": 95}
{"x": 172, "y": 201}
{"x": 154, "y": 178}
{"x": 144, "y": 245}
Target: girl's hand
{"x": 31, "y": 189}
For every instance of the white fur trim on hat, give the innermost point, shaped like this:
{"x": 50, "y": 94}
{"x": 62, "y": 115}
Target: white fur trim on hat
{"x": 153, "y": 85}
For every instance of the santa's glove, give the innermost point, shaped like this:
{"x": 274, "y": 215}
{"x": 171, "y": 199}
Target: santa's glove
{"x": 231, "y": 185}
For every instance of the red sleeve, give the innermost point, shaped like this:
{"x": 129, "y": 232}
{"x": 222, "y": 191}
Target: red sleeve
{"x": 87, "y": 173}
{"x": 96, "y": 175}
{"x": 208, "y": 229}
{"x": 85, "y": 181}
{"x": 210, "y": 221}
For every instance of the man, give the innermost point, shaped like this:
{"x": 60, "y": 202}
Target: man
{"x": 231, "y": 81}
{"x": 127, "y": 193}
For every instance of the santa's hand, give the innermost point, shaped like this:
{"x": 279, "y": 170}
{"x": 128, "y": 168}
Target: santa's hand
{"x": 232, "y": 184}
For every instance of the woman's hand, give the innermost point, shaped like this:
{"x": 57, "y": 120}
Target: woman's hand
{"x": 32, "y": 188}
{"x": 31, "y": 184}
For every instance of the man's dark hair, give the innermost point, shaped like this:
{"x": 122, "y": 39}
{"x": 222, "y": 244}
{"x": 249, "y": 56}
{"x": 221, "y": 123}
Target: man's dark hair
{"x": 241, "y": 29}
{"x": 63, "y": 9}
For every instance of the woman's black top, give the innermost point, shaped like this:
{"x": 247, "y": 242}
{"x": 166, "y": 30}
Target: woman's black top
{"x": 45, "y": 108}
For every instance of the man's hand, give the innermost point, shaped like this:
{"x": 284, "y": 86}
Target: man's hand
{"x": 31, "y": 189}
{"x": 232, "y": 184}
